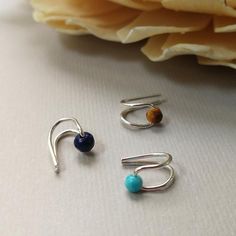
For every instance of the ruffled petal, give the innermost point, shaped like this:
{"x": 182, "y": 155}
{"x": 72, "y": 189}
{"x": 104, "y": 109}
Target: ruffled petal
{"x": 204, "y": 43}
{"x": 162, "y": 21}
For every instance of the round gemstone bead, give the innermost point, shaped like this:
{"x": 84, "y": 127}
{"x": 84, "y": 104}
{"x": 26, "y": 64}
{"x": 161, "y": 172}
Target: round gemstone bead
{"x": 154, "y": 115}
{"x": 133, "y": 183}
{"x": 84, "y": 143}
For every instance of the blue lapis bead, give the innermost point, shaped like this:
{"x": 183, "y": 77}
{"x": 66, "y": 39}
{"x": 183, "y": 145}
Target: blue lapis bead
{"x": 84, "y": 143}
{"x": 133, "y": 183}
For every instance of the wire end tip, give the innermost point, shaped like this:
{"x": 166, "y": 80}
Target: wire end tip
{"x": 57, "y": 170}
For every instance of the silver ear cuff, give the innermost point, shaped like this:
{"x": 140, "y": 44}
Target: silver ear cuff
{"x": 153, "y": 114}
{"x": 134, "y": 182}
{"x": 84, "y": 141}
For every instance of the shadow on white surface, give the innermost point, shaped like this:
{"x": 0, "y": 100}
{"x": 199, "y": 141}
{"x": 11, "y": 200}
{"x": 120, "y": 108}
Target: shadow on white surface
{"x": 182, "y": 69}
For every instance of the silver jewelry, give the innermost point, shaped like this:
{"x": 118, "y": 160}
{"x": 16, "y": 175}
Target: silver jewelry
{"x": 84, "y": 141}
{"x": 134, "y": 182}
{"x": 153, "y": 115}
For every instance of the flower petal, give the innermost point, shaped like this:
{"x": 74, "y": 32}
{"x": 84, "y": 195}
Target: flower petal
{"x": 217, "y": 7}
{"x": 161, "y": 22}
{"x": 210, "y": 62}
{"x": 204, "y": 43}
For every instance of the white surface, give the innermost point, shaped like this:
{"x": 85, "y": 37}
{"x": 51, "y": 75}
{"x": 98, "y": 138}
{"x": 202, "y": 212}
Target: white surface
{"x": 45, "y": 76}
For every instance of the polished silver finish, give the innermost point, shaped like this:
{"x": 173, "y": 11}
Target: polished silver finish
{"x": 125, "y": 113}
{"x": 53, "y": 143}
{"x": 131, "y": 101}
{"x": 134, "y": 105}
{"x": 150, "y": 161}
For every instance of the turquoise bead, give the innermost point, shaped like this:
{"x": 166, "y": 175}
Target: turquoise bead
{"x": 133, "y": 183}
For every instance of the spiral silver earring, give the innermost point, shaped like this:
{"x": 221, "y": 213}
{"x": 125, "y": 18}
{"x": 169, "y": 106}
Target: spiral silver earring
{"x": 153, "y": 115}
{"x": 134, "y": 182}
{"x": 84, "y": 141}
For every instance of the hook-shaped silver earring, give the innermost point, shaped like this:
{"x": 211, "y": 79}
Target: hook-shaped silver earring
{"x": 153, "y": 115}
{"x": 134, "y": 182}
{"x": 84, "y": 141}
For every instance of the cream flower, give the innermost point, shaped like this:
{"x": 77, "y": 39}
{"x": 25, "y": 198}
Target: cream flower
{"x": 203, "y": 28}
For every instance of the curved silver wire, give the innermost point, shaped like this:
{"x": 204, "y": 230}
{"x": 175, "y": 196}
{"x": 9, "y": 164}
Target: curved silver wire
{"x": 164, "y": 185}
{"x": 130, "y": 101}
{"x": 143, "y": 163}
{"x": 126, "y": 112}
{"x": 53, "y": 144}
{"x": 134, "y": 106}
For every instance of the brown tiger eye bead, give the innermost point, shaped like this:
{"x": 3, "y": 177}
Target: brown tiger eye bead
{"x": 154, "y": 115}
